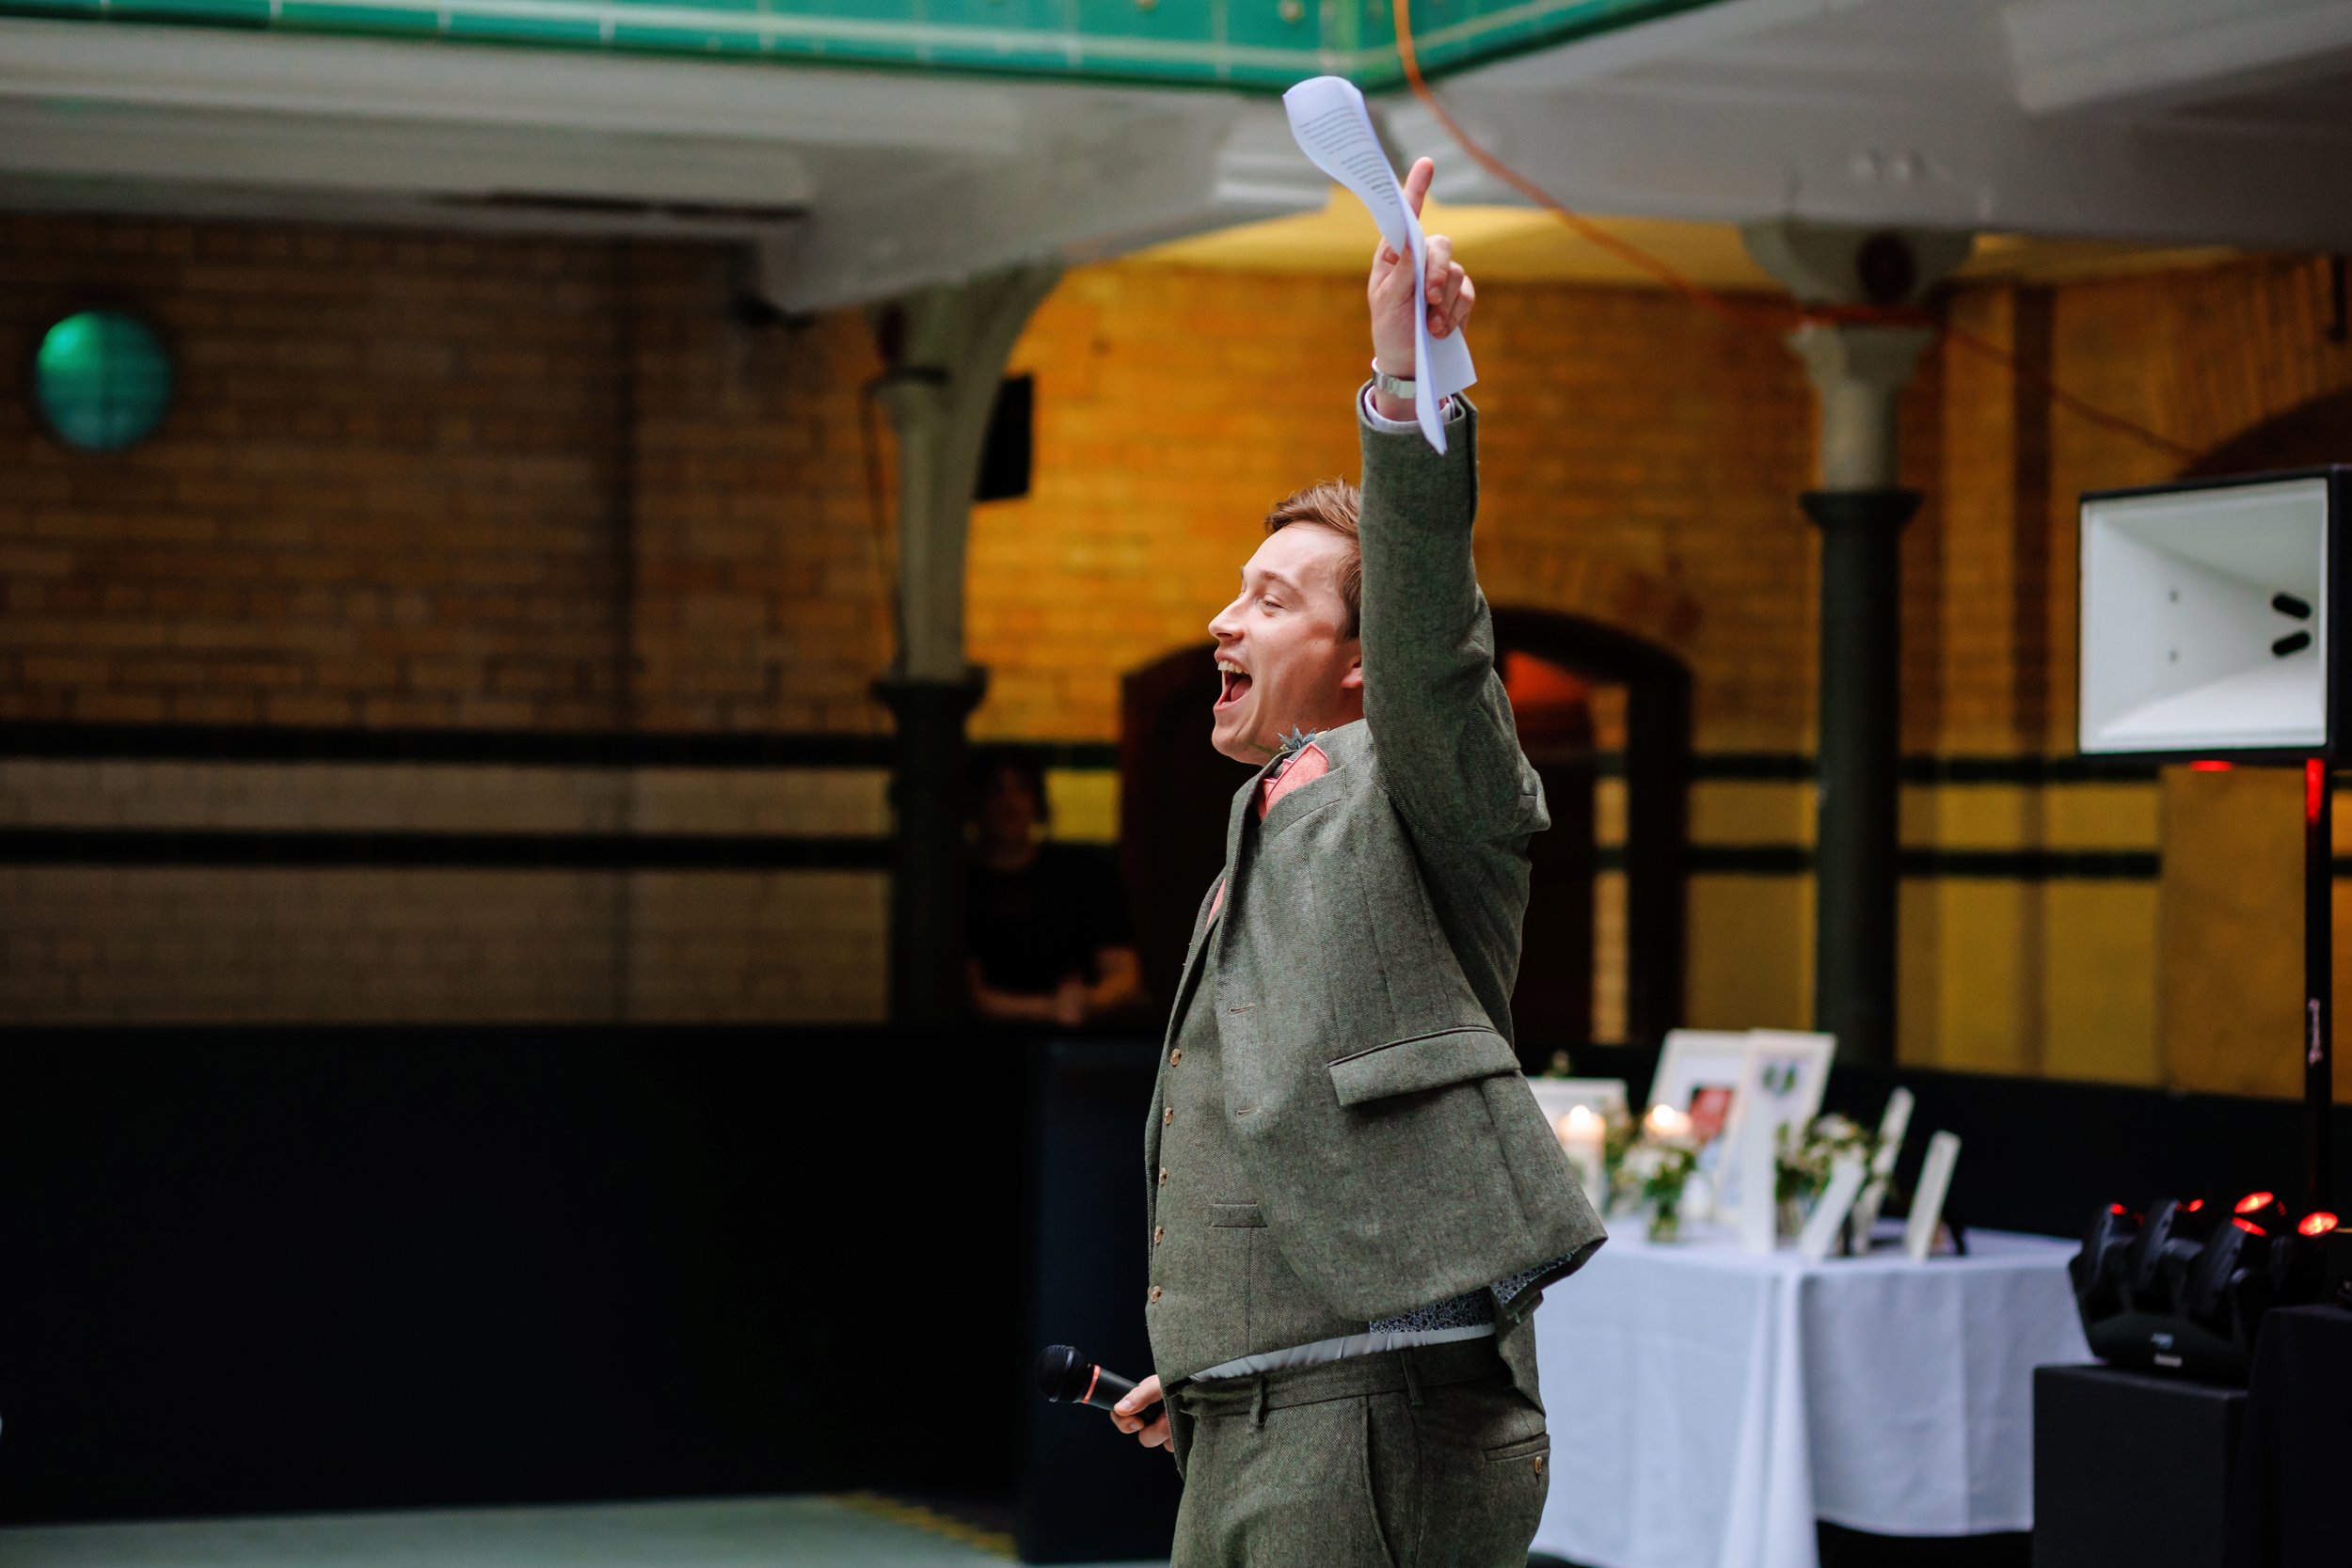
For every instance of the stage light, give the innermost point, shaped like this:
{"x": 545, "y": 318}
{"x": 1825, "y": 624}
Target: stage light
{"x": 2183, "y": 1292}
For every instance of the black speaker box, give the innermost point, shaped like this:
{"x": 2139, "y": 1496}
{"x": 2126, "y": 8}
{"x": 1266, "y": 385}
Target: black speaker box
{"x": 2131, "y": 1467}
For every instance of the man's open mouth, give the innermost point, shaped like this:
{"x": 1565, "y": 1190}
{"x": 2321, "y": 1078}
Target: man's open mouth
{"x": 1236, "y": 684}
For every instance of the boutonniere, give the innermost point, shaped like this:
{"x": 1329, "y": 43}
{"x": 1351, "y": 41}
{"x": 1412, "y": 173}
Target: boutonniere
{"x": 1295, "y": 742}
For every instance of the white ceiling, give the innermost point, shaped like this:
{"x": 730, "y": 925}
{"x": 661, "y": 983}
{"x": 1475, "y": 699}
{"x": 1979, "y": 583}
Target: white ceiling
{"x": 2170, "y": 121}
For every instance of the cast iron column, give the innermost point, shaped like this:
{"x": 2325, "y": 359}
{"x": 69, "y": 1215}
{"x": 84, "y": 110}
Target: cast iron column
{"x": 1858, "y": 368}
{"x": 1857, "y": 837}
{"x": 945, "y": 349}
{"x": 1858, "y": 372}
{"x": 927, "y": 797}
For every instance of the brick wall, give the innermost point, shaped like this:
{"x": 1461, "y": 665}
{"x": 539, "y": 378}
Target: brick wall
{"x": 508, "y": 487}
{"x": 1640, "y": 462}
{"x": 410, "y": 481}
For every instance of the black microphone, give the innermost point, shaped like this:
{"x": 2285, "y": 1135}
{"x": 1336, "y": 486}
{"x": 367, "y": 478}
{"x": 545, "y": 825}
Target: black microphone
{"x": 1066, "y": 1377}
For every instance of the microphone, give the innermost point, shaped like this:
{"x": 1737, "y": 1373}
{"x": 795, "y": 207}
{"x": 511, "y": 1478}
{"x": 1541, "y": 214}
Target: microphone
{"x": 1066, "y": 1377}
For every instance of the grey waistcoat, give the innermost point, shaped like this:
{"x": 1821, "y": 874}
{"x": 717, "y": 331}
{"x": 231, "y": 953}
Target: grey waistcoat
{"x": 1220, "y": 1287}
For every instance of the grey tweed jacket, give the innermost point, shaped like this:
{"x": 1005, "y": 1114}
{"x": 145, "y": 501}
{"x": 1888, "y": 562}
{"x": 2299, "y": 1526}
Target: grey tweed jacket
{"x": 1365, "y": 955}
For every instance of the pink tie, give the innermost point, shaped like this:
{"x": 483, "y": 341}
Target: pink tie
{"x": 1304, "y": 767}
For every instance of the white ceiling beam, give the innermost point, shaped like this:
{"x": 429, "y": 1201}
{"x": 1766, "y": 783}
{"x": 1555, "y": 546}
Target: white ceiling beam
{"x": 2152, "y": 53}
{"x": 552, "y": 89}
{"x": 1620, "y": 149}
{"x": 321, "y": 153}
{"x": 1192, "y": 164}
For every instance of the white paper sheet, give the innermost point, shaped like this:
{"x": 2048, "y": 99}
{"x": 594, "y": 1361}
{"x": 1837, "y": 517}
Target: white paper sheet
{"x": 1333, "y": 128}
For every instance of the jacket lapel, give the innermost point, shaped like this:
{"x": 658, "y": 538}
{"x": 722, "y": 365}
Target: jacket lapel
{"x": 1219, "y": 896}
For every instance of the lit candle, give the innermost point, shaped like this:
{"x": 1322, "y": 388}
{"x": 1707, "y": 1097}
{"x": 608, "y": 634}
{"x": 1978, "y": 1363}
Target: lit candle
{"x": 1582, "y": 1135}
{"x": 1666, "y": 1124}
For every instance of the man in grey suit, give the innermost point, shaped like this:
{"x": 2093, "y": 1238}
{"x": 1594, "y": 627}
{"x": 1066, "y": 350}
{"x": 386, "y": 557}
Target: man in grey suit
{"x": 1354, "y": 1202}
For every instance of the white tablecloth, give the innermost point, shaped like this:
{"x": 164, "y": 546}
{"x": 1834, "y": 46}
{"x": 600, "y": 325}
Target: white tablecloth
{"x": 1706, "y": 1406}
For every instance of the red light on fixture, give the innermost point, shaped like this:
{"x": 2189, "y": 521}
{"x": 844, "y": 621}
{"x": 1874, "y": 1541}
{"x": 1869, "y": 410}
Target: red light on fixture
{"x": 2318, "y": 1224}
{"x": 2315, "y": 787}
{"x": 2209, "y": 766}
{"x": 2248, "y": 1227}
{"x": 2194, "y": 1204}
{"x": 2253, "y": 1201}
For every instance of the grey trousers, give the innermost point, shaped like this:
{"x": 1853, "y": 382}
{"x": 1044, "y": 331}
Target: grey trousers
{"x": 1425, "y": 1458}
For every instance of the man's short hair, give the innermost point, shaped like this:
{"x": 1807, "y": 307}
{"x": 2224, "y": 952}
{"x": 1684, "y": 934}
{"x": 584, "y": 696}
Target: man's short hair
{"x": 1333, "y": 504}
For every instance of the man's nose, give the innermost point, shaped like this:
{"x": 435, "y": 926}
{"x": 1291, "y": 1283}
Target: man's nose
{"x": 1225, "y": 624}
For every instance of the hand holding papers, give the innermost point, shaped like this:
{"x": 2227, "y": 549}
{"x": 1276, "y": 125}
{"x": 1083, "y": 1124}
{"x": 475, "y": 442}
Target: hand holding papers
{"x": 1332, "y": 127}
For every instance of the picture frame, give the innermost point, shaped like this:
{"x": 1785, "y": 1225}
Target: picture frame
{"x": 1699, "y": 1073}
{"x": 1782, "y": 1084}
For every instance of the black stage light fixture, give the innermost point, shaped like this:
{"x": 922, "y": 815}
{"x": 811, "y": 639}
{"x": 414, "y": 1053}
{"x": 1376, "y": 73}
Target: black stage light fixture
{"x": 2207, "y": 618}
{"x": 2184, "y": 1286}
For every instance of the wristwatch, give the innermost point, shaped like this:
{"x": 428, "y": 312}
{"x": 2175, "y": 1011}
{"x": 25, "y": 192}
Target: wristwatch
{"x": 1396, "y": 387}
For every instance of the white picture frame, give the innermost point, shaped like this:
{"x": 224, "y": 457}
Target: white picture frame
{"x": 1699, "y": 1073}
{"x": 1894, "y": 1126}
{"x": 1927, "y": 1203}
{"x": 1821, "y": 1231}
{"x": 1788, "y": 1073}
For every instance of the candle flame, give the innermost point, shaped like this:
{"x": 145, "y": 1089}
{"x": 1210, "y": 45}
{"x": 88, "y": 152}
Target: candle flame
{"x": 1665, "y": 1122}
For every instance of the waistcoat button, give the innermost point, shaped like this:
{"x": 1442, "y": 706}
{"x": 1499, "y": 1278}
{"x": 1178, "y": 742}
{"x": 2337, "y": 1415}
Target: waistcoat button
{"x": 1159, "y": 1234}
{"x": 1155, "y": 1294}
{"x": 1163, "y": 1176}
{"x": 1175, "y": 1055}
{"x": 1168, "y": 1115}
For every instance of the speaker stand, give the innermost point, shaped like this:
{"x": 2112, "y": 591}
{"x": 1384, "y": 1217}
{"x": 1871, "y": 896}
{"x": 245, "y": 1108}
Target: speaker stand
{"x": 2319, "y": 952}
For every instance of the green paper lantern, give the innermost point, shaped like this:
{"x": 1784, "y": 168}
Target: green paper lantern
{"x": 101, "y": 380}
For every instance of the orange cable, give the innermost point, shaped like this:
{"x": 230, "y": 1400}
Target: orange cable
{"x": 1739, "y": 315}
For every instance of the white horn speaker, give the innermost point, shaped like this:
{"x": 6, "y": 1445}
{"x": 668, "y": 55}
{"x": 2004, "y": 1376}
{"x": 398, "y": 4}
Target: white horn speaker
{"x": 2208, "y": 617}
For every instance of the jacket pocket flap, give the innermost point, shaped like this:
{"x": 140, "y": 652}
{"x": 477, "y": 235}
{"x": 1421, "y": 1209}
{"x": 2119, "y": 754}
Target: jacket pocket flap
{"x": 1422, "y": 1061}
{"x": 1231, "y": 1215}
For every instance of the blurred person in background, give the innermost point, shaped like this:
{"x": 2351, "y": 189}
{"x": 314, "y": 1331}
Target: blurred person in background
{"x": 1047, "y": 938}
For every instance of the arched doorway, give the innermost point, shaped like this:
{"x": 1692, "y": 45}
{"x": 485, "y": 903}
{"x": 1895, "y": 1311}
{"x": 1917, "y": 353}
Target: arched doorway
{"x": 1605, "y": 719}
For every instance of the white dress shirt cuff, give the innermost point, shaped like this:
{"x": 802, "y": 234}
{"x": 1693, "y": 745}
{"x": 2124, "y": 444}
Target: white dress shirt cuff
{"x": 1401, "y": 427}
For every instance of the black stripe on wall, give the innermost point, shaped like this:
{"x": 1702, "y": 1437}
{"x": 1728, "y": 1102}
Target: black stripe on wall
{"x": 59, "y": 741}
{"x": 263, "y": 743}
{"x": 328, "y": 850}
{"x": 2011, "y": 865}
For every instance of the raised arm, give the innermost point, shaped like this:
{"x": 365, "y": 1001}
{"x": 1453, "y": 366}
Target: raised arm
{"x": 1448, "y": 749}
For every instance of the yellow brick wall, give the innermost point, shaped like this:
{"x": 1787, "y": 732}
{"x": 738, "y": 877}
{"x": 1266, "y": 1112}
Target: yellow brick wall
{"x": 1640, "y": 464}
{"x": 429, "y": 482}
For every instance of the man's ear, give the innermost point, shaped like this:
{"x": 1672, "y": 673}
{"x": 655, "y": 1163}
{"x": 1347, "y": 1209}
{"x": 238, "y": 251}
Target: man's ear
{"x": 1354, "y": 679}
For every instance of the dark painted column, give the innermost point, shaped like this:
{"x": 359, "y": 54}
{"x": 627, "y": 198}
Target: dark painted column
{"x": 945, "y": 349}
{"x": 927, "y": 794}
{"x": 1856, "y": 834}
{"x": 1858, "y": 361}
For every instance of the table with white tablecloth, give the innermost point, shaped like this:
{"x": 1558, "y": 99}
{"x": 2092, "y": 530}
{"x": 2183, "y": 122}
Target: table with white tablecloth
{"x": 1707, "y": 1405}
